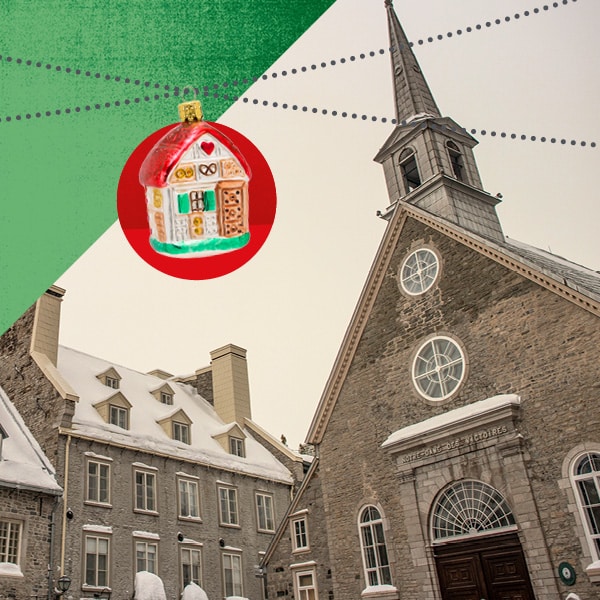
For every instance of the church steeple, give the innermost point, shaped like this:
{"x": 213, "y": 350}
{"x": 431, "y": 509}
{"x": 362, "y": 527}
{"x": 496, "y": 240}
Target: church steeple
{"x": 428, "y": 159}
{"x": 412, "y": 94}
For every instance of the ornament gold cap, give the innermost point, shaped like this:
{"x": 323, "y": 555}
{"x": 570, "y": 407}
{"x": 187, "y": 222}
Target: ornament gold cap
{"x": 190, "y": 112}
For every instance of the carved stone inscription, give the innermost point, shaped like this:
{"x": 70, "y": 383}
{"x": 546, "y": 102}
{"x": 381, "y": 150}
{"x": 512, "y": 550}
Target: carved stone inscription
{"x": 456, "y": 443}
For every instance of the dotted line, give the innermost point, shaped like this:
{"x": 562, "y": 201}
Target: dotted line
{"x": 206, "y": 89}
{"x": 363, "y": 117}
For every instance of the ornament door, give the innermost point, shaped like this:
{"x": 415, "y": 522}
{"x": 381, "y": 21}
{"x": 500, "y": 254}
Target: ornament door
{"x": 492, "y": 568}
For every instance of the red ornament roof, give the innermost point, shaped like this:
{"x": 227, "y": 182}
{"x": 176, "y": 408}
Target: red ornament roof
{"x": 168, "y": 151}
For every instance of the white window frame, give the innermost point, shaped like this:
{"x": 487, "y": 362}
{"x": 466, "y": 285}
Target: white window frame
{"x": 96, "y": 583}
{"x": 425, "y": 277}
{"x": 10, "y": 531}
{"x": 111, "y": 382}
{"x": 237, "y": 583}
{"x": 236, "y": 447}
{"x": 166, "y": 398}
{"x": 143, "y": 546}
{"x": 374, "y": 573}
{"x": 302, "y": 592}
{"x": 228, "y": 513}
{"x": 298, "y": 536}
{"x": 592, "y": 539}
{"x": 100, "y": 465}
{"x": 122, "y": 416}
{"x": 438, "y": 358}
{"x": 181, "y": 432}
{"x": 191, "y": 550}
{"x": 189, "y": 489}
{"x": 265, "y": 515}
{"x": 146, "y": 475}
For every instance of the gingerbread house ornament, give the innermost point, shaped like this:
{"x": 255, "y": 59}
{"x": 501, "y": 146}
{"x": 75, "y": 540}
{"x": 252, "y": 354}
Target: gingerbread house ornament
{"x": 196, "y": 184}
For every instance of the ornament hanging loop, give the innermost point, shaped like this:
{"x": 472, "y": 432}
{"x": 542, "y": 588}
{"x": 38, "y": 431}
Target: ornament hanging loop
{"x": 190, "y": 111}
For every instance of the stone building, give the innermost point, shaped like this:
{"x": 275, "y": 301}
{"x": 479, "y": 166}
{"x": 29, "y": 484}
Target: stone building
{"x": 156, "y": 477}
{"x": 458, "y": 435}
{"x": 29, "y": 498}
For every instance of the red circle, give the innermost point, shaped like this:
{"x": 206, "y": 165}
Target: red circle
{"x": 133, "y": 215}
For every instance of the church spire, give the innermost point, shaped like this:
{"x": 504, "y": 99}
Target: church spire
{"x": 412, "y": 94}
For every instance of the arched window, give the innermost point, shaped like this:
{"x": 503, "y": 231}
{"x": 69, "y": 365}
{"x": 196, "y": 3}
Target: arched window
{"x": 374, "y": 551}
{"x": 410, "y": 172}
{"x": 469, "y": 508}
{"x": 586, "y": 478}
{"x": 456, "y": 160}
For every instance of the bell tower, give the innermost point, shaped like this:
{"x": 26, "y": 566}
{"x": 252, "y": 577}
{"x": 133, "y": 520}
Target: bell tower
{"x": 428, "y": 159}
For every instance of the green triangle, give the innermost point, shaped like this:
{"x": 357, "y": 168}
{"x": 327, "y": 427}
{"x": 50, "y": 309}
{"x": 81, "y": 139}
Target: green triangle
{"x": 60, "y": 171}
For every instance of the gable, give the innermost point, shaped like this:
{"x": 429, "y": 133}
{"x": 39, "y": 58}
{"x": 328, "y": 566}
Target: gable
{"x": 483, "y": 298}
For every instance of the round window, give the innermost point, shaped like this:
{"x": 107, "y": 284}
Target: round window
{"x": 419, "y": 271}
{"x": 438, "y": 368}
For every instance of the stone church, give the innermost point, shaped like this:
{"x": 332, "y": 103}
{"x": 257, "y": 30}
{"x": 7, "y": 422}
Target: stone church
{"x": 458, "y": 436}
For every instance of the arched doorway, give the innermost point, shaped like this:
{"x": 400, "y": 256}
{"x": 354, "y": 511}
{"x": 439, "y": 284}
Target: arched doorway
{"x": 476, "y": 547}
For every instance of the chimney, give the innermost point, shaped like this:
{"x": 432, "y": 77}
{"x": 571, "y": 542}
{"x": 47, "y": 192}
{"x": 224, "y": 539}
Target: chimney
{"x": 46, "y": 323}
{"x": 231, "y": 390}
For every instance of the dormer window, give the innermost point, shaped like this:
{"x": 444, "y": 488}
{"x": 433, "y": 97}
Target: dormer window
{"x": 236, "y": 447}
{"x": 164, "y": 394}
{"x": 110, "y": 378}
{"x": 456, "y": 160}
{"x": 178, "y": 426}
{"x": 181, "y": 432}
{"x": 115, "y": 410}
{"x": 409, "y": 170}
{"x": 119, "y": 416}
{"x": 113, "y": 383}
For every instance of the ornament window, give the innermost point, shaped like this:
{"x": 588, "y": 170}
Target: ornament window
{"x": 409, "y": 170}
{"x": 456, "y": 160}
{"x": 113, "y": 383}
{"x": 467, "y": 509}
{"x": 419, "y": 271}
{"x": 166, "y": 398}
{"x": 438, "y": 368}
{"x": 586, "y": 481}
{"x": 236, "y": 447}
{"x": 181, "y": 432}
{"x": 374, "y": 549}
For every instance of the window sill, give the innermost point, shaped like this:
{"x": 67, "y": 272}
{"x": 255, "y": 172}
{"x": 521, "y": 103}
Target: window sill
{"x": 593, "y": 572}
{"x": 152, "y": 513}
{"x": 10, "y": 570}
{"x": 301, "y": 550}
{"x": 267, "y": 531}
{"x": 385, "y": 592}
{"x": 99, "y": 504}
{"x": 190, "y": 519}
{"x": 230, "y": 525}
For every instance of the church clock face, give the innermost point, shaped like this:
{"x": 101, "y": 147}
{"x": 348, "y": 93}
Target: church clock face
{"x": 438, "y": 368}
{"x": 419, "y": 271}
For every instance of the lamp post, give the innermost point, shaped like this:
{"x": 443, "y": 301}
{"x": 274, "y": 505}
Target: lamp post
{"x": 63, "y": 583}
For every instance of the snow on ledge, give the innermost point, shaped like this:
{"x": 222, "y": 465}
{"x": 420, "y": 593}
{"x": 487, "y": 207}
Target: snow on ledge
{"x": 10, "y": 570}
{"x": 97, "y": 528}
{"x": 379, "y": 591}
{"x": 145, "y": 534}
{"x": 458, "y": 415}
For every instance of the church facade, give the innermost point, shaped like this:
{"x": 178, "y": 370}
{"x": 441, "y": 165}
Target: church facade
{"x": 458, "y": 435}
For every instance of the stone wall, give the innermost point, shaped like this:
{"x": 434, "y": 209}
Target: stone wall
{"x": 33, "y": 511}
{"x": 518, "y": 338}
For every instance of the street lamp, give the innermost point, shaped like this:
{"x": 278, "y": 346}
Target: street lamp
{"x": 63, "y": 583}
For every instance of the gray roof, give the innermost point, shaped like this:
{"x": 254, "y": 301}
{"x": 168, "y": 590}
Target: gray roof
{"x": 579, "y": 278}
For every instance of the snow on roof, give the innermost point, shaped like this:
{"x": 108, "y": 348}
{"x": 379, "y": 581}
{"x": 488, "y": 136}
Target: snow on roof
{"x": 23, "y": 465}
{"x": 145, "y": 432}
{"x": 458, "y": 415}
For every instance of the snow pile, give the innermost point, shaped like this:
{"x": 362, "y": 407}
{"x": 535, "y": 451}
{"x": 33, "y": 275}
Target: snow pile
{"x": 149, "y": 586}
{"x": 193, "y": 591}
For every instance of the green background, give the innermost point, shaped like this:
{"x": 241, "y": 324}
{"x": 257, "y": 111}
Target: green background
{"x": 60, "y": 172}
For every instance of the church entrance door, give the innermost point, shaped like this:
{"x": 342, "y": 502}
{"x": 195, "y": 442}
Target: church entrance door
{"x": 491, "y": 568}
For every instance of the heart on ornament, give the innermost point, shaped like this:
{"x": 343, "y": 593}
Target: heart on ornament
{"x": 208, "y": 147}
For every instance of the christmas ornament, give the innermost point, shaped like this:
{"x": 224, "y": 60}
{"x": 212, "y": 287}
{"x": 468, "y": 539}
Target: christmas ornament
{"x": 196, "y": 189}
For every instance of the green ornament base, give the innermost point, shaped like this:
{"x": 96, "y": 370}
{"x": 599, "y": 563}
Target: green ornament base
{"x": 214, "y": 245}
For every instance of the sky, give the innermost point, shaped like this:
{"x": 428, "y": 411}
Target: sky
{"x": 535, "y": 75}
